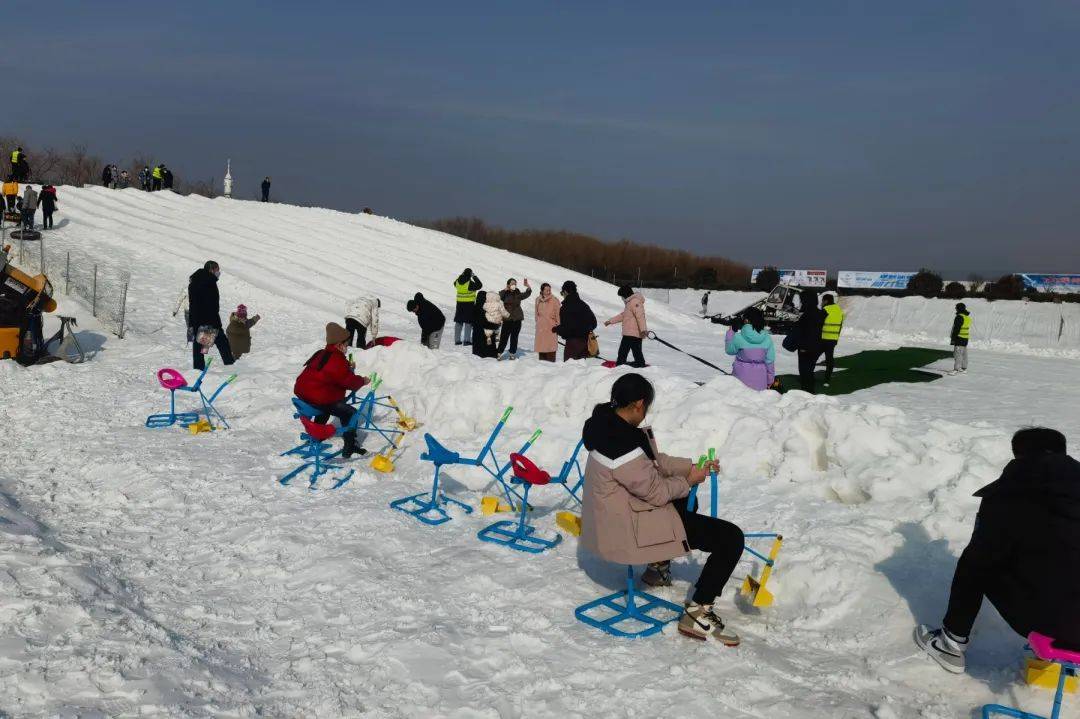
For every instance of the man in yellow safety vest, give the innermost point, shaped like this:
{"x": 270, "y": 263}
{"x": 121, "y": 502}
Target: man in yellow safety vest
{"x": 830, "y": 332}
{"x": 156, "y": 176}
{"x": 961, "y": 333}
{"x": 465, "y": 287}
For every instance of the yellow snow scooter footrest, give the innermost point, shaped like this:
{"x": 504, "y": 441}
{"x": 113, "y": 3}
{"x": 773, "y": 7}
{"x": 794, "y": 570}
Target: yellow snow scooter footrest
{"x": 490, "y": 505}
{"x": 755, "y": 588}
{"x": 569, "y": 522}
{"x": 1038, "y": 673}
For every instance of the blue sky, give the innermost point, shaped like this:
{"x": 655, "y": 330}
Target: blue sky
{"x": 863, "y": 135}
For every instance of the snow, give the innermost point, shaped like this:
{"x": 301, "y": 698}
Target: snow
{"x": 156, "y": 573}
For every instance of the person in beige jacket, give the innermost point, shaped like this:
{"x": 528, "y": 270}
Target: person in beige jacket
{"x": 634, "y": 507}
{"x": 634, "y": 327}
{"x": 547, "y": 319}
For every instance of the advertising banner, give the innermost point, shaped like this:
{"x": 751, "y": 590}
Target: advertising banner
{"x": 873, "y": 280}
{"x": 1052, "y": 283}
{"x": 802, "y": 278}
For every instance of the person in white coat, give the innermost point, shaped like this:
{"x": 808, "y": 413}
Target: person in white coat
{"x": 362, "y": 320}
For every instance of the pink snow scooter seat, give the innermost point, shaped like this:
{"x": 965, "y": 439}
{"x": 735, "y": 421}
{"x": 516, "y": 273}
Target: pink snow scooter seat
{"x": 171, "y": 379}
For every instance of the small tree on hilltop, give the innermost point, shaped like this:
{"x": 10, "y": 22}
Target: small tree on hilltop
{"x": 768, "y": 278}
{"x": 926, "y": 283}
{"x": 1007, "y": 287}
{"x": 954, "y": 291}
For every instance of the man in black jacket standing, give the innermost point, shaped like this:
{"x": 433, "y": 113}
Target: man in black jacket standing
{"x": 1024, "y": 555}
{"x": 266, "y": 189}
{"x": 808, "y": 329}
{"x": 205, "y": 311}
{"x": 576, "y": 321}
{"x": 431, "y": 320}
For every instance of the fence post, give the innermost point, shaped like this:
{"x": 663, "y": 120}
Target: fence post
{"x": 67, "y": 274}
{"x": 123, "y": 304}
{"x": 41, "y": 264}
{"x": 93, "y": 301}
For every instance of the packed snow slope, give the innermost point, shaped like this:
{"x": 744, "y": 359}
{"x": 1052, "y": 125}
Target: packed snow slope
{"x": 1006, "y": 325}
{"x": 158, "y": 574}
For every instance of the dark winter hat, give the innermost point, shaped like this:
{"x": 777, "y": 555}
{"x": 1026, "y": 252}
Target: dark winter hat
{"x": 960, "y": 307}
{"x": 625, "y": 291}
{"x": 336, "y": 334}
{"x": 569, "y": 287}
{"x": 411, "y": 305}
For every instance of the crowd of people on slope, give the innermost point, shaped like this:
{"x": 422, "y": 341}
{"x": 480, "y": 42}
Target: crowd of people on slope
{"x": 24, "y": 209}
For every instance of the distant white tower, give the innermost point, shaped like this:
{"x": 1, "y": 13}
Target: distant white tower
{"x": 228, "y": 178}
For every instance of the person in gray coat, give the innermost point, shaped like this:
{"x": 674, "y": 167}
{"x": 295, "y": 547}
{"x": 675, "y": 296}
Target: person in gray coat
{"x": 511, "y": 298}
{"x": 29, "y": 207}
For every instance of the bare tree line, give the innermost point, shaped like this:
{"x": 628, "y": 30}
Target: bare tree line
{"x": 77, "y": 166}
{"x": 622, "y": 261}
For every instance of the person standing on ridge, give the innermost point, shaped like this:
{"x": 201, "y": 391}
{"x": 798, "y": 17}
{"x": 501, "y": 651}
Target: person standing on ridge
{"x": 634, "y": 327}
{"x": 20, "y": 167}
{"x": 1024, "y": 553}
{"x": 204, "y": 310}
{"x": 431, "y": 320}
{"x": 29, "y": 207}
{"x": 511, "y": 298}
{"x": 266, "y": 189}
{"x": 47, "y": 201}
{"x": 830, "y": 333}
{"x": 547, "y": 318}
{"x": 808, "y": 330}
{"x": 144, "y": 178}
{"x": 106, "y": 176}
{"x": 155, "y": 178}
{"x": 362, "y": 319}
{"x": 465, "y": 286}
{"x": 961, "y": 333}
{"x": 576, "y": 321}
{"x": 166, "y": 178}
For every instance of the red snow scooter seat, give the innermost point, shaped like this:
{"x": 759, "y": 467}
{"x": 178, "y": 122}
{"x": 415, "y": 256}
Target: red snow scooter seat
{"x": 318, "y": 432}
{"x": 526, "y": 471}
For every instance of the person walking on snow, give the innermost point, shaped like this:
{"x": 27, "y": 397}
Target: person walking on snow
{"x": 634, "y": 327}
{"x": 547, "y": 318}
{"x": 958, "y": 338}
{"x": 362, "y": 318}
{"x": 47, "y": 201}
{"x": 328, "y": 376}
{"x": 430, "y": 318}
{"x": 1026, "y": 539}
{"x": 511, "y": 327}
{"x": 830, "y": 333}
{"x": 204, "y": 310}
{"x": 808, "y": 333}
{"x": 576, "y": 323}
{"x": 633, "y": 507}
{"x": 754, "y": 351}
{"x": 705, "y": 304}
{"x": 29, "y": 207}
{"x": 239, "y": 331}
{"x": 465, "y": 286}
{"x": 266, "y": 189}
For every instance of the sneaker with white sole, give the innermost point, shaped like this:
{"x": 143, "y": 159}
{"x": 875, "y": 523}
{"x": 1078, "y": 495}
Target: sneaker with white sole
{"x": 943, "y": 646}
{"x": 698, "y": 621}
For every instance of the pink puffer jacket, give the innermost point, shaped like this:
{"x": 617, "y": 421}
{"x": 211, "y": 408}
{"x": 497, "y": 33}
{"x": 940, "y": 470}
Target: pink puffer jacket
{"x": 632, "y": 317}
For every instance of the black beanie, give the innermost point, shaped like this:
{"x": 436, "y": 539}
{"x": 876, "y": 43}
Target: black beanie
{"x": 569, "y": 287}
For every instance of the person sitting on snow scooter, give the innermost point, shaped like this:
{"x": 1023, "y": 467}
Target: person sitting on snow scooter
{"x": 1024, "y": 555}
{"x": 326, "y": 379}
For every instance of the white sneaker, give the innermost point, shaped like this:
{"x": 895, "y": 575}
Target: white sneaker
{"x": 952, "y": 372}
{"x": 943, "y": 646}
{"x": 700, "y": 622}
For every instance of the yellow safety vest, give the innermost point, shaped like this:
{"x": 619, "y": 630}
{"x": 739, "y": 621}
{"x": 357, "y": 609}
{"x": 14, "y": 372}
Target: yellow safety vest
{"x": 965, "y": 328}
{"x": 834, "y": 320}
{"x": 464, "y": 294}
{"x": 157, "y": 173}
{"x": 14, "y": 157}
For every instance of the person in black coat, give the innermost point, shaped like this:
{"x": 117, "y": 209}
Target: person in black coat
{"x": 204, "y": 311}
{"x": 1024, "y": 555}
{"x": 431, "y": 320}
{"x": 482, "y": 345}
{"x": 47, "y": 201}
{"x": 166, "y": 178}
{"x": 576, "y": 321}
{"x": 808, "y": 329}
{"x": 266, "y": 189}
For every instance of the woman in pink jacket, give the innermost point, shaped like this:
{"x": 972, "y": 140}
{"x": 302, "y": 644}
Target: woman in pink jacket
{"x": 633, "y": 507}
{"x": 633, "y": 326}
{"x": 547, "y": 317}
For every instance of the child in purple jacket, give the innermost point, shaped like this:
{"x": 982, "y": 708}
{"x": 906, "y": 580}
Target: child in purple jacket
{"x": 754, "y": 352}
